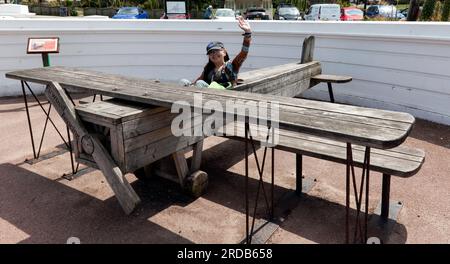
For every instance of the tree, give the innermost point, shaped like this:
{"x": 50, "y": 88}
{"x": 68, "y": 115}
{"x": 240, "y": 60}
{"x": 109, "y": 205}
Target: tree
{"x": 445, "y": 11}
{"x": 428, "y": 10}
{"x": 413, "y": 10}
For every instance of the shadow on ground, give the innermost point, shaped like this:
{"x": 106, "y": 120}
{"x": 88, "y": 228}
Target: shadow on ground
{"x": 50, "y": 212}
{"x": 430, "y": 132}
{"x": 309, "y": 217}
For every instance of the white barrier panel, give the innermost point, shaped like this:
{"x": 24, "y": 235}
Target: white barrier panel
{"x": 395, "y": 65}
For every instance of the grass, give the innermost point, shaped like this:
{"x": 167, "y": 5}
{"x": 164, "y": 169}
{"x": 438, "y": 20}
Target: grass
{"x": 402, "y": 6}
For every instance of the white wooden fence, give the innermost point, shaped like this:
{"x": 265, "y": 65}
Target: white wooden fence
{"x": 395, "y": 65}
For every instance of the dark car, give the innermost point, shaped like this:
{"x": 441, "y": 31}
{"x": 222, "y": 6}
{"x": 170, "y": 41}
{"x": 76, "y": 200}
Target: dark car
{"x": 256, "y": 13}
{"x": 386, "y": 11}
{"x": 286, "y": 12}
{"x": 131, "y": 12}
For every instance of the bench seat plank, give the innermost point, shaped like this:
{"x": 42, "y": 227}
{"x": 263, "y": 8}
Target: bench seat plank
{"x": 332, "y": 78}
{"x": 399, "y": 161}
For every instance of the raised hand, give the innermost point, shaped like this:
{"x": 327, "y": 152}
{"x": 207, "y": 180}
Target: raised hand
{"x": 244, "y": 25}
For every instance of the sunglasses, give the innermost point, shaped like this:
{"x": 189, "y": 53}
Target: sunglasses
{"x": 213, "y": 52}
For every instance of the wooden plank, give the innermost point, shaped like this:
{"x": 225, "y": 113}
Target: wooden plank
{"x": 117, "y": 111}
{"x": 128, "y": 199}
{"x": 282, "y": 70}
{"x": 154, "y": 151}
{"x": 181, "y": 166}
{"x": 308, "y": 49}
{"x": 255, "y": 80}
{"x": 267, "y": 81}
{"x": 400, "y": 152}
{"x": 196, "y": 156}
{"x": 147, "y": 138}
{"x": 294, "y": 102}
{"x": 332, "y": 78}
{"x": 350, "y": 117}
{"x": 137, "y": 127}
{"x": 158, "y": 94}
{"x": 289, "y": 85}
{"x": 93, "y": 119}
{"x": 117, "y": 146}
{"x": 170, "y": 89}
{"x": 155, "y": 135}
{"x": 400, "y": 161}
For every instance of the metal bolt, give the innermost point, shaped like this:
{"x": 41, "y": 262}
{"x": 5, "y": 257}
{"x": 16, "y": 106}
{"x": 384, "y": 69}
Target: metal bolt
{"x": 73, "y": 240}
{"x": 373, "y": 240}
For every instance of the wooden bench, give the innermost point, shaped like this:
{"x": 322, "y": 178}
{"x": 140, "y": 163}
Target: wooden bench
{"x": 101, "y": 134}
{"x": 127, "y": 123}
{"x": 400, "y": 161}
{"x": 370, "y": 128}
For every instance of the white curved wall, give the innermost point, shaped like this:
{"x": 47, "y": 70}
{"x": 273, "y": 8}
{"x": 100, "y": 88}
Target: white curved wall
{"x": 395, "y": 65}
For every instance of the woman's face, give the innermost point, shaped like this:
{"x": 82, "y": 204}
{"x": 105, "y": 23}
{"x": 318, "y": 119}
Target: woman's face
{"x": 217, "y": 56}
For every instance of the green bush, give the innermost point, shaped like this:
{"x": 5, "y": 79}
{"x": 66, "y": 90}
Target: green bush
{"x": 343, "y": 3}
{"x": 428, "y": 10}
{"x": 445, "y": 10}
{"x": 437, "y": 12}
{"x": 151, "y": 4}
{"x": 69, "y": 3}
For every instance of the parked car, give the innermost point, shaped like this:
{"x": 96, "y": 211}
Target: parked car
{"x": 287, "y": 12}
{"x": 386, "y": 11}
{"x": 351, "y": 14}
{"x": 131, "y": 12}
{"x": 256, "y": 13}
{"x": 324, "y": 12}
{"x": 225, "y": 14}
{"x": 404, "y": 12}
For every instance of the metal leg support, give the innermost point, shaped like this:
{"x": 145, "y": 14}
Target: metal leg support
{"x": 385, "y": 197}
{"x": 36, "y": 153}
{"x": 330, "y": 91}
{"x": 360, "y": 233}
{"x": 298, "y": 174}
{"x": 270, "y": 208}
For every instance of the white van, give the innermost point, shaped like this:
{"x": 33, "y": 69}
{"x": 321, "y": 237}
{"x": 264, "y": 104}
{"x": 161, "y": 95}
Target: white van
{"x": 330, "y": 12}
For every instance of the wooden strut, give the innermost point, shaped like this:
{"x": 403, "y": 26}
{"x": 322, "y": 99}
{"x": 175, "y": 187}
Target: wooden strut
{"x": 127, "y": 197}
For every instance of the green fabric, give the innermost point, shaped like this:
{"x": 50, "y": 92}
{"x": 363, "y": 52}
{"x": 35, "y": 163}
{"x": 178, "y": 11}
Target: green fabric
{"x": 216, "y": 85}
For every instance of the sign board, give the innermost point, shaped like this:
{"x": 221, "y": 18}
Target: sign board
{"x": 176, "y": 7}
{"x": 43, "y": 45}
